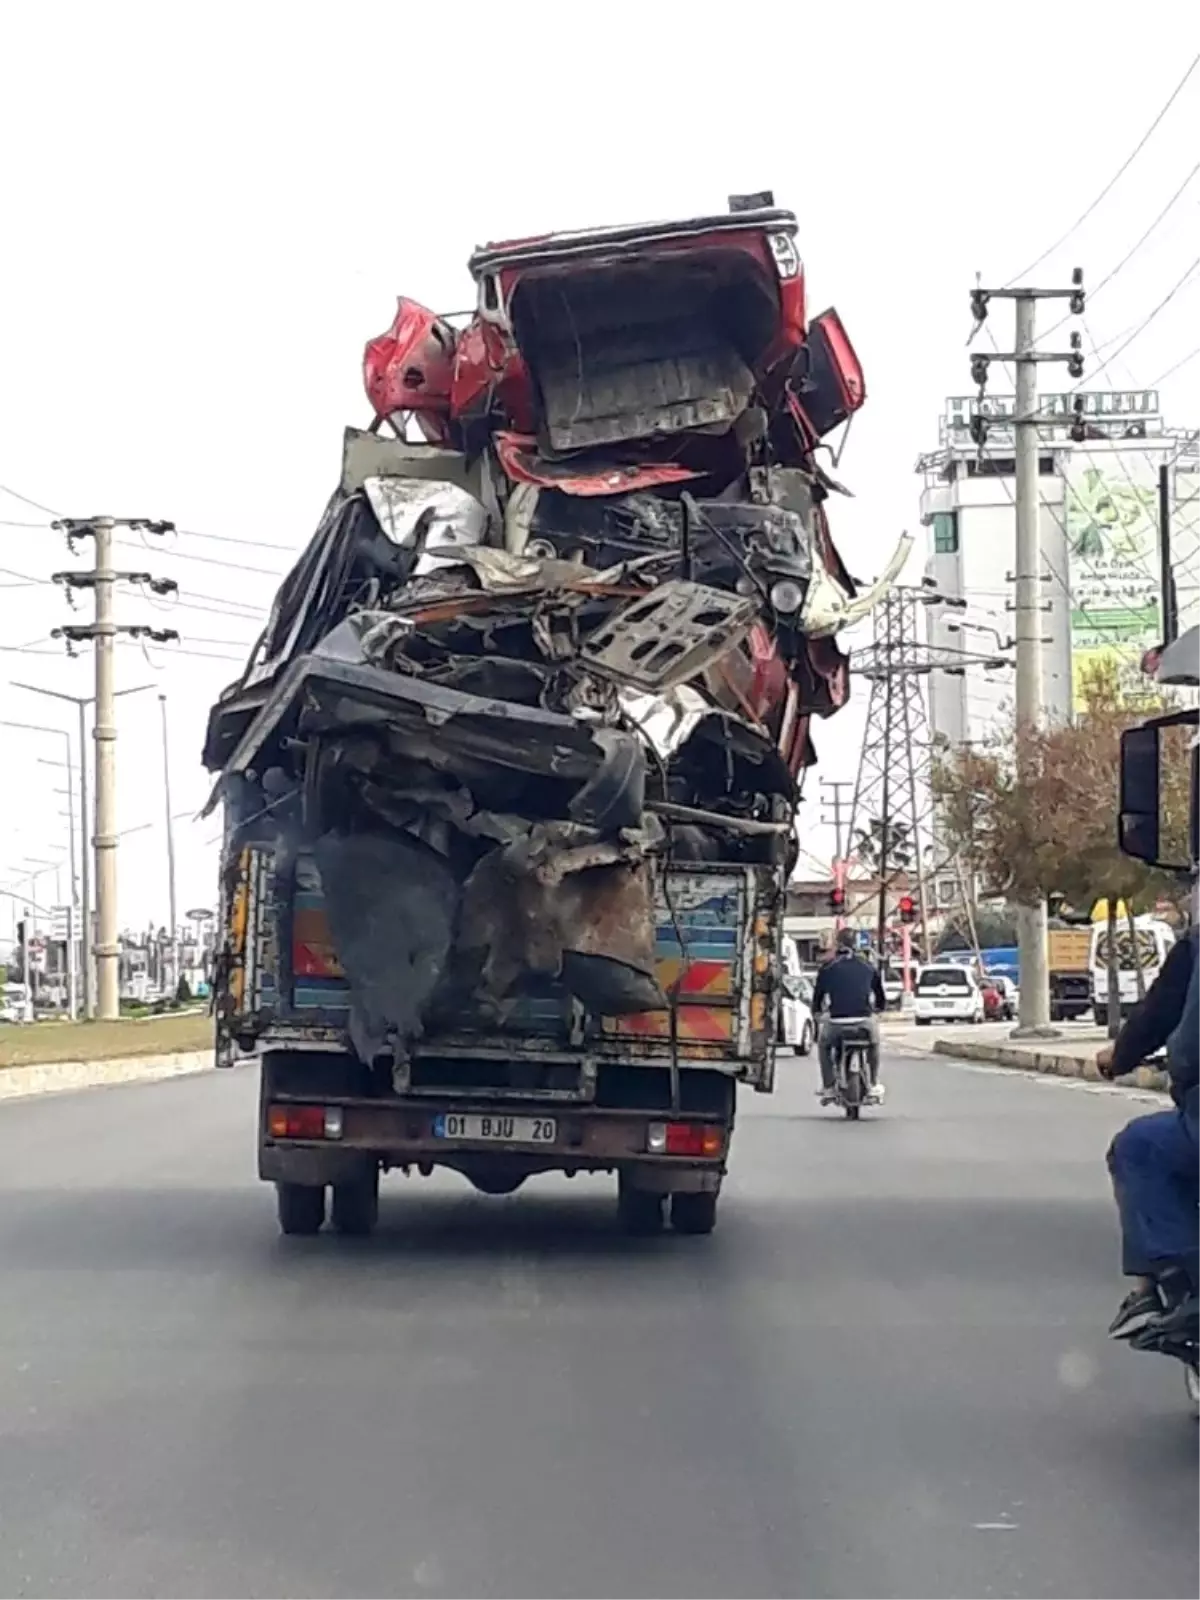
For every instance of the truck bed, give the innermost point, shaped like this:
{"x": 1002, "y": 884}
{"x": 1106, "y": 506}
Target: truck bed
{"x": 284, "y": 988}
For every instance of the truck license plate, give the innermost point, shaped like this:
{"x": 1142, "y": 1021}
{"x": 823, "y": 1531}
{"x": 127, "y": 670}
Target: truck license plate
{"x": 495, "y": 1127}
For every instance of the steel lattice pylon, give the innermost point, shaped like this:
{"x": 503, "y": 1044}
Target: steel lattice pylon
{"x": 892, "y": 813}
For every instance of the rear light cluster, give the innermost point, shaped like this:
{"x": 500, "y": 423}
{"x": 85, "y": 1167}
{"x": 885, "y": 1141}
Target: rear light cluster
{"x": 304, "y": 1122}
{"x": 685, "y": 1139}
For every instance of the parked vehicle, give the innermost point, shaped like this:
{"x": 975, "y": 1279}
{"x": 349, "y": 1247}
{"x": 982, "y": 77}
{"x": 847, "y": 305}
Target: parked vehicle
{"x": 14, "y": 1003}
{"x": 1069, "y": 955}
{"x": 892, "y": 977}
{"x": 1008, "y": 994}
{"x": 797, "y": 1029}
{"x": 948, "y": 992}
{"x": 1151, "y": 938}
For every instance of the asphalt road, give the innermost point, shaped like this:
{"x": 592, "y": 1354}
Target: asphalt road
{"x": 884, "y": 1375}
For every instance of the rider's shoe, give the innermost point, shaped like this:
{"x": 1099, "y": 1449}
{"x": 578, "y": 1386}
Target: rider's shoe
{"x": 1139, "y": 1307}
{"x": 1176, "y": 1323}
{"x": 827, "y": 1097}
{"x": 876, "y": 1094}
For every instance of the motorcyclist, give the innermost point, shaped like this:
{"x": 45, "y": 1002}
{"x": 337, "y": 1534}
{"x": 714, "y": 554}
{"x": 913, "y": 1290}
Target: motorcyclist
{"x": 854, "y": 991}
{"x": 1153, "y": 1160}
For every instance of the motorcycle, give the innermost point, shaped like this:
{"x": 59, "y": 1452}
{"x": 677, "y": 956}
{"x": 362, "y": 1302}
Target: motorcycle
{"x": 1181, "y": 1343}
{"x": 852, "y": 1088}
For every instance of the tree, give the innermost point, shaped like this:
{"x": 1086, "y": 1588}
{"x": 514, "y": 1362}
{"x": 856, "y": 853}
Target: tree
{"x": 1057, "y": 832}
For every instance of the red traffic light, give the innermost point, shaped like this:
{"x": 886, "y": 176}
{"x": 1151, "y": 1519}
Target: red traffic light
{"x": 907, "y": 908}
{"x": 837, "y": 899}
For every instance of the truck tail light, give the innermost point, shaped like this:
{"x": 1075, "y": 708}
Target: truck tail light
{"x": 304, "y": 1122}
{"x": 685, "y": 1139}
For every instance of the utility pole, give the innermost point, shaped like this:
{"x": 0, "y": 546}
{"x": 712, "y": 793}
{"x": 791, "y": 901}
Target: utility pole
{"x": 841, "y": 843}
{"x": 173, "y": 944}
{"x": 1170, "y": 603}
{"x": 102, "y": 632}
{"x": 1034, "y": 1018}
{"x": 837, "y": 785}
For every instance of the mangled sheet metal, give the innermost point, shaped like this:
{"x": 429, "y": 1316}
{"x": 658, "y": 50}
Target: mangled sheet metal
{"x": 577, "y": 634}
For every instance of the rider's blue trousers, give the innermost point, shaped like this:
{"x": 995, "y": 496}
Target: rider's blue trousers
{"x": 1153, "y": 1163}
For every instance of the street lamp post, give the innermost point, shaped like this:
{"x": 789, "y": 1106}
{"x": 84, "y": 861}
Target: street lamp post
{"x": 73, "y": 912}
{"x": 81, "y": 703}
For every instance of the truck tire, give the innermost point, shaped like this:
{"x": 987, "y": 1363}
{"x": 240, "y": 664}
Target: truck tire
{"x": 694, "y": 1213}
{"x": 355, "y": 1207}
{"x": 301, "y": 1208}
{"x": 639, "y": 1211}
{"x": 1100, "y": 1013}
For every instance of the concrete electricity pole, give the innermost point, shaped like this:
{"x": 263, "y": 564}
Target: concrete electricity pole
{"x": 1034, "y": 1020}
{"x": 173, "y": 944}
{"x": 102, "y": 632}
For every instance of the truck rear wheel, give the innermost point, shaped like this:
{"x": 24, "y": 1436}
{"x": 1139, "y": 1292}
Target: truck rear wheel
{"x": 356, "y": 1206}
{"x": 639, "y": 1211}
{"x": 694, "y": 1213}
{"x": 301, "y": 1208}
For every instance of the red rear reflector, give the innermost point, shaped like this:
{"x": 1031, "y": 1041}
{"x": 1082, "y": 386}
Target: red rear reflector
{"x": 694, "y": 1139}
{"x": 296, "y": 1122}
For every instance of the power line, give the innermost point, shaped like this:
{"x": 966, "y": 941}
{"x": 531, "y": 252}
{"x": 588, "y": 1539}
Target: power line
{"x": 1140, "y": 329}
{"x": 208, "y": 561}
{"x": 24, "y": 498}
{"x": 1116, "y": 177}
{"x": 1171, "y": 371}
{"x": 1129, "y": 254}
{"x": 233, "y": 538}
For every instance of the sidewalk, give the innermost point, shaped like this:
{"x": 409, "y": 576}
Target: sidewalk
{"x": 1071, "y": 1055}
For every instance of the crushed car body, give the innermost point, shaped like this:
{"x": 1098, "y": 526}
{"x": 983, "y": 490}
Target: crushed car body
{"x": 557, "y": 642}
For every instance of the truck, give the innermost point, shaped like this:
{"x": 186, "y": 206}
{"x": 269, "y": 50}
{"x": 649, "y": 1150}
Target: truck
{"x": 510, "y": 778}
{"x": 1069, "y": 960}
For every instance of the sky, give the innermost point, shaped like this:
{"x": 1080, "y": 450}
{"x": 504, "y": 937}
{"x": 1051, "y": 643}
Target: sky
{"x": 209, "y": 210}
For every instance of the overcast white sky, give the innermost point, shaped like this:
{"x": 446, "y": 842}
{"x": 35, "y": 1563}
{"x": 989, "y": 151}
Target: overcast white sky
{"x": 208, "y": 210}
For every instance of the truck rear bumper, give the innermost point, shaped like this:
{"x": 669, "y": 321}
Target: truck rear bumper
{"x": 587, "y": 1139}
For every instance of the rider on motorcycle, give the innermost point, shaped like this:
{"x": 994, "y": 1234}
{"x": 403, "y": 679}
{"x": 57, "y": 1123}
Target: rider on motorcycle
{"x": 854, "y": 991}
{"x": 1153, "y": 1161}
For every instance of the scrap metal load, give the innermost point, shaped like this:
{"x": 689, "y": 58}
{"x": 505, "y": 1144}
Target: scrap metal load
{"x": 577, "y": 632}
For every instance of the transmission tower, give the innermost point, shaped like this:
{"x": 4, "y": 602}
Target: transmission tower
{"x": 892, "y": 812}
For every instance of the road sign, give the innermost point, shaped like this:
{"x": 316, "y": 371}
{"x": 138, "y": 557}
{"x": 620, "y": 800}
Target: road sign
{"x": 863, "y": 938}
{"x": 60, "y": 924}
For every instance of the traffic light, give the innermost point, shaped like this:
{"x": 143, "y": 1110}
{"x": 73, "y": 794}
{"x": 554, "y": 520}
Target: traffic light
{"x": 908, "y": 911}
{"x": 837, "y": 901}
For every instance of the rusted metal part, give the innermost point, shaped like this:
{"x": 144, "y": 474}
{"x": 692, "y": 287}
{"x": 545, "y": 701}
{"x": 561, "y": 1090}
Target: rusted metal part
{"x": 668, "y": 636}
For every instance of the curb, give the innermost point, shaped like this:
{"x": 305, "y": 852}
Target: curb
{"x": 1048, "y": 1062}
{"x": 56, "y": 1077}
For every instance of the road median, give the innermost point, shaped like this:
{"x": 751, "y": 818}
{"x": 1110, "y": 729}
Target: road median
{"x": 1047, "y": 1056}
{"x": 43, "y": 1057}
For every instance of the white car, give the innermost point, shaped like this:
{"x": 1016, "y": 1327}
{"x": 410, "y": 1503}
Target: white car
{"x": 797, "y": 1030}
{"x": 947, "y": 993}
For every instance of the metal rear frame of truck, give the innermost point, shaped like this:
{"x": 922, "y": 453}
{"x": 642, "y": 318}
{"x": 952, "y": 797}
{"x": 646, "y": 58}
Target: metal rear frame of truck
{"x": 650, "y": 1097}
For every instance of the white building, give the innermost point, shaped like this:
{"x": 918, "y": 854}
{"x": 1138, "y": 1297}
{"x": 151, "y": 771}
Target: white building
{"x": 1100, "y": 545}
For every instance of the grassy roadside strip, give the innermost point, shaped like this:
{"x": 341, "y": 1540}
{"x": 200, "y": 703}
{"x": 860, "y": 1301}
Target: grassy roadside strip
{"x": 41, "y": 1043}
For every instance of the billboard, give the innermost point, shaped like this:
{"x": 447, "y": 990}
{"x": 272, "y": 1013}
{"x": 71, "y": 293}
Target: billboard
{"x": 1113, "y": 551}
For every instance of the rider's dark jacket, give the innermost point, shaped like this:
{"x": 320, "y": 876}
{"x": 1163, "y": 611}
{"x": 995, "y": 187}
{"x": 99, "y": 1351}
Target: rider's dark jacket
{"x": 850, "y": 985}
{"x": 1153, "y": 1020}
